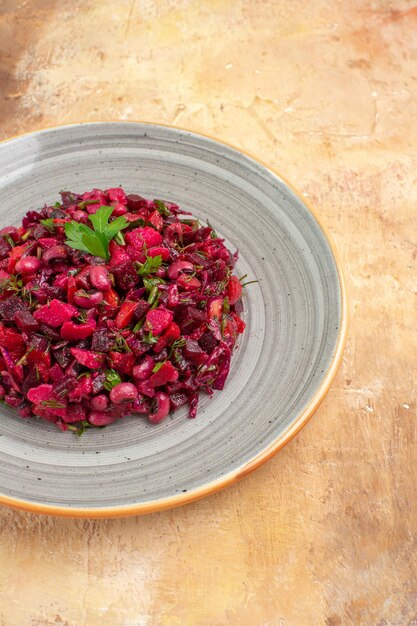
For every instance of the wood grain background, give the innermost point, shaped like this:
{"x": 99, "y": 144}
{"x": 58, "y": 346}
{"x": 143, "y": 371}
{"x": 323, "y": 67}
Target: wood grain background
{"x": 325, "y": 92}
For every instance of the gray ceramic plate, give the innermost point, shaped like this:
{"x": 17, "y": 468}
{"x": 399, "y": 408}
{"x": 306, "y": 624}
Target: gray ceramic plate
{"x": 296, "y": 323}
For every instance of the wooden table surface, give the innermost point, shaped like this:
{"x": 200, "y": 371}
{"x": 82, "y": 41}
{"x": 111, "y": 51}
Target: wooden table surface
{"x": 325, "y": 92}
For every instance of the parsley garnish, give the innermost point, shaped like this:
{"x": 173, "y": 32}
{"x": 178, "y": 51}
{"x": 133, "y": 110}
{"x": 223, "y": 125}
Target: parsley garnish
{"x": 162, "y": 208}
{"x": 151, "y": 265}
{"x": 96, "y": 242}
{"x": 49, "y": 224}
{"x": 112, "y": 379}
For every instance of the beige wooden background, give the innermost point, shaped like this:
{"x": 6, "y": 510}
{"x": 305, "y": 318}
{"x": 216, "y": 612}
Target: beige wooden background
{"x": 326, "y": 92}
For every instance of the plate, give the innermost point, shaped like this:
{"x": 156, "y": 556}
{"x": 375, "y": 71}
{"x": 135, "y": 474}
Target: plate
{"x": 286, "y": 360}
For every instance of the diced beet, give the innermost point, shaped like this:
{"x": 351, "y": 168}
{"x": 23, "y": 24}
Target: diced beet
{"x": 177, "y": 400}
{"x": 234, "y": 289}
{"x": 173, "y": 296}
{"x": 93, "y": 360}
{"x": 55, "y": 314}
{"x": 194, "y": 353}
{"x": 63, "y": 356}
{"x": 56, "y": 374}
{"x": 11, "y": 306}
{"x": 5, "y": 247}
{"x": 65, "y": 385}
{"x": 125, "y": 314}
{"x": 101, "y": 340}
{"x": 125, "y": 275}
{"x": 137, "y": 346}
{"x": 116, "y": 194}
{"x": 122, "y": 362}
{"x": 84, "y": 389}
{"x": 118, "y": 255}
{"x": 74, "y": 413}
{"x": 170, "y": 334}
{"x": 145, "y": 388}
{"x": 156, "y": 219}
{"x": 42, "y": 393}
{"x": 159, "y": 251}
{"x": 135, "y": 202}
{"x": 98, "y": 382}
{"x": 143, "y": 236}
{"x": 188, "y": 283}
{"x": 68, "y": 198}
{"x": 208, "y": 342}
{"x": 157, "y": 320}
{"x": 74, "y": 332}
{"x": 165, "y": 374}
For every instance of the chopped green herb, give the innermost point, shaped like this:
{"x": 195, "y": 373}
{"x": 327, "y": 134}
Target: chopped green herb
{"x": 52, "y": 404}
{"x": 250, "y": 282}
{"x": 151, "y": 265}
{"x": 226, "y": 305}
{"x": 10, "y": 240}
{"x": 158, "y": 367}
{"x": 162, "y": 208}
{"x": 141, "y": 222}
{"x": 84, "y": 375}
{"x": 85, "y": 203}
{"x": 112, "y": 379}
{"x": 57, "y": 205}
{"x": 49, "y": 224}
{"x": 121, "y": 344}
{"x": 96, "y": 242}
{"x": 150, "y": 339}
{"x": 80, "y": 428}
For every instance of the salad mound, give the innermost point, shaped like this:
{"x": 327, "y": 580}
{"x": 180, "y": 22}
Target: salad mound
{"x": 112, "y": 305}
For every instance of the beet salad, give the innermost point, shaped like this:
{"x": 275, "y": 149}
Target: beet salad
{"x": 112, "y": 305}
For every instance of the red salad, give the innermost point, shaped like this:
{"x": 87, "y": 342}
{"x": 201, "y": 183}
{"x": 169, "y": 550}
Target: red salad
{"x": 112, "y": 305}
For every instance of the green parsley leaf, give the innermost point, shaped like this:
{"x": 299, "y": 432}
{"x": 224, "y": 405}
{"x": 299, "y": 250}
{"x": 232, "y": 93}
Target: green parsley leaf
{"x": 96, "y": 242}
{"x": 162, "y": 208}
{"x": 141, "y": 222}
{"x": 49, "y": 224}
{"x": 151, "y": 265}
{"x": 112, "y": 379}
{"x": 158, "y": 367}
{"x": 85, "y": 203}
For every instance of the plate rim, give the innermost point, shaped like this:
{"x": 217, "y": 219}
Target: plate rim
{"x": 273, "y": 448}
